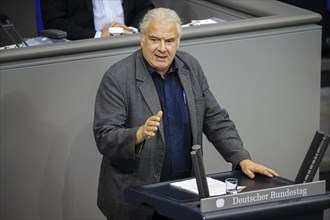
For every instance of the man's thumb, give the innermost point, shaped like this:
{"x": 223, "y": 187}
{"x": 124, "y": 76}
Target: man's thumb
{"x": 160, "y": 114}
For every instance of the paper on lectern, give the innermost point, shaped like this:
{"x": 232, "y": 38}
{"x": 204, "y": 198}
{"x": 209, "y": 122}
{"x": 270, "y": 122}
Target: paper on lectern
{"x": 216, "y": 187}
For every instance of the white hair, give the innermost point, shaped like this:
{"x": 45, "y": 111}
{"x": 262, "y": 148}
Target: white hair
{"x": 162, "y": 14}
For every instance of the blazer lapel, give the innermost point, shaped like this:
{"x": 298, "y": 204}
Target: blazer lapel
{"x": 148, "y": 90}
{"x": 184, "y": 77}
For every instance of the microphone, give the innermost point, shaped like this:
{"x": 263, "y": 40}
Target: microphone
{"x": 199, "y": 171}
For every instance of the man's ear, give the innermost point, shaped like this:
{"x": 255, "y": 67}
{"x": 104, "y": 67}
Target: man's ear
{"x": 141, "y": 39}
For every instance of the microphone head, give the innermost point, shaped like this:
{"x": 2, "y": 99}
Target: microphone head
{"x": 4, "y": 19}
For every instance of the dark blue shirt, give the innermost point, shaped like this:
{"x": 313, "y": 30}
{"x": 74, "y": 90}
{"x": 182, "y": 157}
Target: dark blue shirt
{"x": 176, "y": 122}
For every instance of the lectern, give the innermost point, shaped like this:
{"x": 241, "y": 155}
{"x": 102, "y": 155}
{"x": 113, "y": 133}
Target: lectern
{"x": 263, "y": 198}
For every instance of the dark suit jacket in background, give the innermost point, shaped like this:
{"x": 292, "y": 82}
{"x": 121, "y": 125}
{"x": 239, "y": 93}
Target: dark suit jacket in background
{"x": 125, "y": 99}
{"x": 76, "y": 17}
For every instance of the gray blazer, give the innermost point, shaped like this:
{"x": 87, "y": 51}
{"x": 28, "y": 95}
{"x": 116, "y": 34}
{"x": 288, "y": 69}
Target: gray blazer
{"x": 125, "y": 99}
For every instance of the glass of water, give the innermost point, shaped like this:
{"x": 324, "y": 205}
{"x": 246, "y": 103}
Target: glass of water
{"x": 231, "y": 185}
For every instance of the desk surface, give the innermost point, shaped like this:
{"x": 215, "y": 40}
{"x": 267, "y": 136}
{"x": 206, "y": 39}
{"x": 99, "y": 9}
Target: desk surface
{"x": 176, "y": 203}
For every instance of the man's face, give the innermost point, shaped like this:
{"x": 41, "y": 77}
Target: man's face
{"x": 159, "y": 44}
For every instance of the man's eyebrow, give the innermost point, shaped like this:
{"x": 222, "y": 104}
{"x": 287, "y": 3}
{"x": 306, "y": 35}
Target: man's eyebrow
{"x": 170, "y": 38}
{"x": 153, "y": 36}
{"x": 167, "y": 38}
